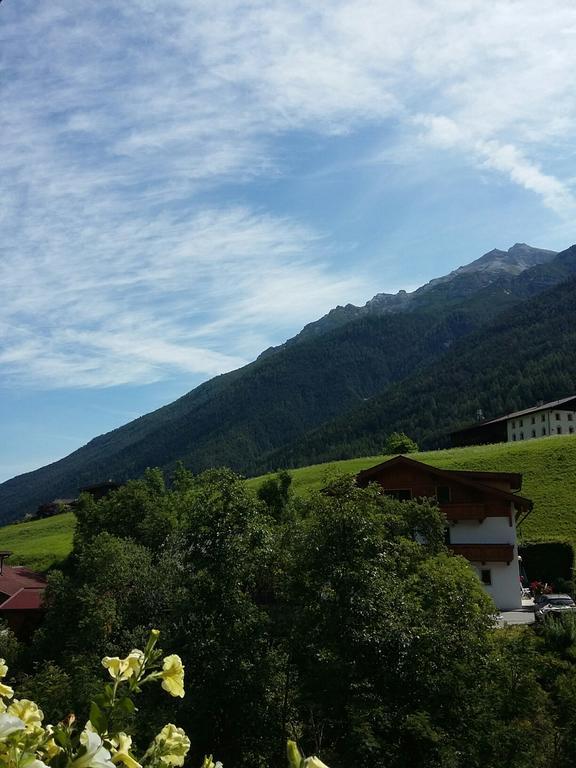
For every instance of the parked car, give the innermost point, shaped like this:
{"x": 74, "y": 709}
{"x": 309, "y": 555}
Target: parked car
{"x": 546, "y": 605}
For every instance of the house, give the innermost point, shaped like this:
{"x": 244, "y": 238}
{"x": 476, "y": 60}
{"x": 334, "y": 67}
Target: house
{"x": 557, "y": 417}
{"x": 21, "y": 597}
{"x": 101, "y": 490}
{"x": 482, "y": 511}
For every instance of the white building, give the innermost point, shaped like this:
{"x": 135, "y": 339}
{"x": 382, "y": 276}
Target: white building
{"x": 556, "y": 418}
{"x": 482, "y": 511}
{"x": 544, "y": 420}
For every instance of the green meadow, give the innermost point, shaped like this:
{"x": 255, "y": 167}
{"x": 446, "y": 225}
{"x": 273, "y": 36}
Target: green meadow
{"x": 39, "y": 544}
{"x": 548, "y": 467}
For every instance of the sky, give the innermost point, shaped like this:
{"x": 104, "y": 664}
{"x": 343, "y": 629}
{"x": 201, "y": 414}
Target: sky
{"x": 185, "y": 183}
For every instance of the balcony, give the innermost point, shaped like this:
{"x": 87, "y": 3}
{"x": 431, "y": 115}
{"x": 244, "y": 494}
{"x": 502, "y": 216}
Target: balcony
{"x": 485, "y": 553}
{"x": 456, "y": 511}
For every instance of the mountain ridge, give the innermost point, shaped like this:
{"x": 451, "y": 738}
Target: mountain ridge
{"x": 240, "y": 417}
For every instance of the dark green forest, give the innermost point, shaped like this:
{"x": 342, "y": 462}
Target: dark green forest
{"x": 525, "y": 355}
{"x": 319, "y": 619}
{"x": 464, "y": 344}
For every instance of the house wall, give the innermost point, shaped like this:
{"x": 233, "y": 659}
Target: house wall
{"x": 543, "y": 424}
{"x": 494, "y": 530}
{"x": 505, "y": 588}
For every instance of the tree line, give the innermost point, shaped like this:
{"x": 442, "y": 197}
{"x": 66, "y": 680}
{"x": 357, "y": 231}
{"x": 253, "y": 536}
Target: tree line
{"x": 338, "y": 620}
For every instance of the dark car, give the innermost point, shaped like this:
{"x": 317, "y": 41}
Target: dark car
{"x": 553, "y": 605}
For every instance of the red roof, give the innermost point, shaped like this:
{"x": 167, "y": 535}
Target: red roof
{"x": 26, "y": 599}
{"x": 15, "y": 578}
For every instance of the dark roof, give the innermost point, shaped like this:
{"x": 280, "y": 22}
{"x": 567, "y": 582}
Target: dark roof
{"x": 542, "y": 407}
{"x": 26, "y": 599}
{"x": 15, "y": 578}
{"x": 470, "y": 478}
{"x": 106, "y": 485}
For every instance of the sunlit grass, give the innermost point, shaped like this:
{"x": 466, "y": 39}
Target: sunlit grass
{"x": 548, "y": 466}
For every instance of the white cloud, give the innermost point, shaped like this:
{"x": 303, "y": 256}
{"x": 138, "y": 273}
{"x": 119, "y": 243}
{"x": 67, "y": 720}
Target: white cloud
{"x": 122, "y": 123}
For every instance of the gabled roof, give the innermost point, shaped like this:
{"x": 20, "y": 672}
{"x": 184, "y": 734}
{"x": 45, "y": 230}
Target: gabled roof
{"x": 469, "y": 478}
{"x": 15, "y": 578}
{"x": 559, "y": 404}
{"x": 26, "y": 599}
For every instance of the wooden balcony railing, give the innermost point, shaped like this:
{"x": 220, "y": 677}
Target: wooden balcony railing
{"x": 458, "y": 511}
{"x": 485, "y": 553}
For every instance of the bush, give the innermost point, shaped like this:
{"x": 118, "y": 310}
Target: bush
{"x": 398, "y": 442}
{"x": 104, "y": 741}
{"x": 548, "y": 561}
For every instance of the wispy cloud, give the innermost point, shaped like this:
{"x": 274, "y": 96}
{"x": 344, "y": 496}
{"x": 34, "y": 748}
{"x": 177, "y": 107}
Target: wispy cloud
{"x": 133, "y": 133}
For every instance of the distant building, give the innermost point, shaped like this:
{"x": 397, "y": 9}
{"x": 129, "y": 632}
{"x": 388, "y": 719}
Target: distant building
{"x": 482, "y": 511}
{"x": 555, "y": 418}
{"x": 21, "y": 597}
{"x": 101, "y": 490}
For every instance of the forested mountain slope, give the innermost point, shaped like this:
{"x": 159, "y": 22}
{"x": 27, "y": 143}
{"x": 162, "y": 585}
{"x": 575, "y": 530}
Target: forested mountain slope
{"x": 239, "y": 418}
{"x": 526, "y": 354}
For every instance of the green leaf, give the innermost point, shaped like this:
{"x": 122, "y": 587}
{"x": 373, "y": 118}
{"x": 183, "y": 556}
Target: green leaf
{"x": 98, "y": 718}
{"x": 126, "y": 705}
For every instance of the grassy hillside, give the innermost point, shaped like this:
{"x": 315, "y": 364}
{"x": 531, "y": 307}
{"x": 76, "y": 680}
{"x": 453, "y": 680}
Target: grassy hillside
{"x": 40, "y": 543}
{"x": 548, "y": 466}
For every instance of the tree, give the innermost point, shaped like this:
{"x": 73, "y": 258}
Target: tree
{"x": 275, "y": 493}
{"x": 398, "y": 442}
{"x": 390, "y": 632}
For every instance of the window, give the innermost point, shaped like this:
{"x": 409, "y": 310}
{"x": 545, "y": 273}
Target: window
{"x": 513, "y": 436}
{"x": 557, "y": 417}
{"x": 513, "y": 424}
{"x": 402, "y": 494}
{"x": 571, "y": 430}
{"x": 533, "y": 419}
{"x": 533, "y": 433}
{"x": 486, "y": 576}
{"x": 570, "y": 417}
{"x": 521, "y": 423}
{"x": 521, "y": 435}
{"x": 559, "y": 429}
{"x": 443, "y": 494}
{"x": 543, "y": 417}
{"x": 543, "y": 430}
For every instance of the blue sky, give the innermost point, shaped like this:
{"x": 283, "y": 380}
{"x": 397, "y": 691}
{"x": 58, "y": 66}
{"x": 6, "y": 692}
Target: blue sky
{"x": 186, "y": 183}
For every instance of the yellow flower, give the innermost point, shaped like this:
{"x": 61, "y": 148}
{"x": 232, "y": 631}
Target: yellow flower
{"x": 27, "y": 711}
{"x": 95, "y": 753}
{"x": 122, "y": 743}
{"x": 3, "y": 668}
{"x": 314, "y": 762}
{"x": 171, "y": 745}
{"x": 295, "y": 759}
{"x": 50, "y": 748}
{"x": 173, "y": 675}
{"x": 209, "y": 763}
{"x": 6, "y": 691}
{"x": 123, "y": 669}
{"x": 294, "y": 755}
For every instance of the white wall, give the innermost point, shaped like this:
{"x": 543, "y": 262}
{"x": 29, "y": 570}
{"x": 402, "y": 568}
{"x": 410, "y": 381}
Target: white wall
{"x": 549, "y": 426}
{"x": 494, "y": 530}
{"x": 505, "y": 590}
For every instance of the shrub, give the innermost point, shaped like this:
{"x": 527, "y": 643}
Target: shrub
{"x": 398, "y": 442}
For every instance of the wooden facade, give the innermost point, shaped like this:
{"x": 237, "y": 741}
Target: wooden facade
{"x": 481, "y": 510}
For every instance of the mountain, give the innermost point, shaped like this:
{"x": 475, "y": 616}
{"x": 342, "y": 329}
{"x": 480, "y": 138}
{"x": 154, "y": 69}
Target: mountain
{"x": 240, "y": 418}
{"x": 453, "y": 288}
{"x": 524, "y": 355}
